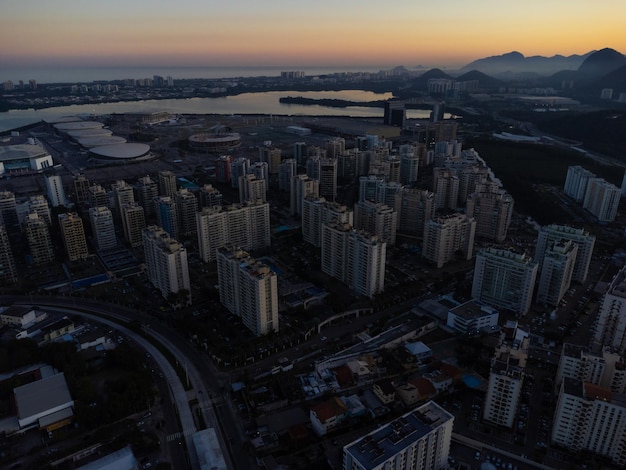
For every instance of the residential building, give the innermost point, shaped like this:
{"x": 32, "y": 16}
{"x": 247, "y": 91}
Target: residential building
{"x": 222, "y": 169}
{"x": 417, "y": 206}
{"x": 167, "y": 215}
{"x": 505, "y": 382}
{"x": 504, "y": 279}
{"x": 81, "y": 189}
{"x": 239, "y": 167}
{"x": 376, "y": 219}
{"x": 576, "y": 182}
{"x": 327, "y": 415}
{"x": 602, "y": 199}
{"x": 102, "y": 228}
{"x": 210, "y": 196}
{"x": 583, "y": 239}
{"x": 54, "y": 189}
{"x": 247, "y": 226}
{"x": 248, "y": 289}
{"x": 123, "y": 193}
{"x": 166, "y": 265}
{"x": 592, "y": 419}
{"x": 301, "y": 187}
{"x": 133, "y": 223}
{"x": 556, "y": 273}
{"x": 366, "y": 263}
{"x": 167, "y": 183}
{"x": 492, "y": 208}
{"x": 318, "y": 211}
{"x": 98, "y": 196}
{"x": 286, "y": 171}
{"x": 186, "y": 207}
{"x": 446, "y": 188}
{"x": 73, "y": 234}
{"x": 611, "y": 321}
{"x": 448, "y": 238}
{"x": 8, "y": 269}
{"x": 147, "y": 190}
{"x": 252, "y": 189}
{"x": 419, "y": 439}
{"x": 409, "y": 165}
{"x": 38, "y": 237}
{"x": 8, "y": 210}
{"x": 270, "y": 155}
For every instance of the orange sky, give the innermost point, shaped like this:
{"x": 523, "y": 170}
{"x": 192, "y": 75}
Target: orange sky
{"x": 298, "y": 32}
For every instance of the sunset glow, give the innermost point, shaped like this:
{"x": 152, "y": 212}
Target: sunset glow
{"x": 245, "y": 32}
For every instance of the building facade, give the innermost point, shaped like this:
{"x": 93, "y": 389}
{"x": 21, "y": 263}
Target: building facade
{"x": 583, "y": 239}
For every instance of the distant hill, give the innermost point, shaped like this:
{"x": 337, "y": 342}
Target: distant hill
{"x": 513, "y": 63}
{"x": 601, "y": 63}
{"x": 484, "y": 80}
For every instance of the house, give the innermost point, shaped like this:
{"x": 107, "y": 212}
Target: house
{"x": 420, "y": 351}
{"x": 385, "y": 391}
{"x": 327, "y": 415}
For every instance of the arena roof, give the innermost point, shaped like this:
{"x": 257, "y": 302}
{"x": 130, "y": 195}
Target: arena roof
{"x": 89, "y": 133}
{"x": 125, "y": 151}
{"x": 100, "y": 140}
{"x": 207, "y": 137}
{"x": 77, "y": 125}
{"x": 20, "y": 151}
{"x": 59, "y": 120}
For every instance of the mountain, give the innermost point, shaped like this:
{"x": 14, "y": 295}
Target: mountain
{"x": 601, "y": 63}
{"x": 514, "y": 63}
{"x": 484, "y": 81}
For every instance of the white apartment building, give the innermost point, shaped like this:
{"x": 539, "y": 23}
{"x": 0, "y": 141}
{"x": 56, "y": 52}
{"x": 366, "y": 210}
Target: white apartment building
{"x": 318, "y": 211}
{"x": 576, "y": 182}
{"x": 102, "y": 228}
{"x": 252, "y": 188}
{"x": 376, "y": 218}
{"x": 55, "y": 191}
{"x": 247, "y": 226}
{"x": 302, "y": 186}
{"x": 505, "y": 382}
{"x": 248, "y": 289}
{"x": 166, "y": 263}
{"x": 553, "y": 233}
{"x": 504, "y": 279}
{"x": 367, "y": 256}
{"x": 445, "y": 237}
{"x": 556, "y": 273}
{"x": 591, "y": 418}
{"x": 602, "y": 199}
{"x": 607, "y": 370}
{"x": 611, "y": 328}
{"x": 419, "y": 439}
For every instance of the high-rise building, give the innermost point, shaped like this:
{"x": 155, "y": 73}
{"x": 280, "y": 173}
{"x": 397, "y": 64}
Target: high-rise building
{"x": 585, "y": 241}
{"x": 592, "y": 419}
{"x": 417, "y": 206}
{"x": 133, "y": 223}
{"x": 38, "y": 237}
{"x": 394, "y": 113}
{"x": 123, "y": 193}
{"x": 469, "y": 177}
{"x": 54, "y": 189}
{"x": 222, "y": 169}
{"x": 611, "y": 323}
{"x": 556, "y": 272}
{"x": 492, "y": 207}
{"x": 238, "y": 167}
{"x": 98, "y": 196}
{"x": 147, "y": 191}
{"x": 247, "y": 226}
{"x": 302, "y": 186}
{"x": 270, "y": 155}
{"x": 377, "y": 219}
{"x": 504, "y": 279}
{"x": 167, "y": 215}
{"x": 602, "y": 199}
{"x": 607, "y": 369}
{"x": 252, "y": 189}
{"x": 335, "y": 147}
{"x": 166, "y": 265}
{"x": 8, "y": 269}
{"x": 299, "y": 152}
{"x": 576, "y": 182}
{"x": 354, "y": 257}
{"x": 39, "y": 204}
{"x": 186, "y": 206}
{"x": 209, "y": 196}
{"x": 370, "y": 188}
{"x": 446, "y": 188}
{"x": 81, "y": 189}
{"x": 328, "y": 178}
{"x": 409, "y": 165}
{"x": 447, "y": 237}
{"x": 8, "y": 210}
{"x": 102, "y": 228}
{"x": 286, "y": 170}
{"x": 505, "y": 383}
{"x": 261, "y": 171}
{"x": 167, "y": 183}
{"x": 73, "y": 234}
{"x": 419, "y": 439}
{"x": 318, "y": 211}
{"x": 248, "y": 289}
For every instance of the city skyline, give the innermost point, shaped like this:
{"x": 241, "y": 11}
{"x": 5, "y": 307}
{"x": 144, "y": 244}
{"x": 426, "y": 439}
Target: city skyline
{"x": 244, "y": 33}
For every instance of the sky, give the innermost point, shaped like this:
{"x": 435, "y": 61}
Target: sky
{"x": 441, "y": 33}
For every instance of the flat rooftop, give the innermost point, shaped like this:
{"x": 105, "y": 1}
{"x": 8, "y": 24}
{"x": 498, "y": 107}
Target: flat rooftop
{"x": 45, "y": 394}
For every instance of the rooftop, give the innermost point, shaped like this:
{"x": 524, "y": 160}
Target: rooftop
{"x": 42, "y": 395}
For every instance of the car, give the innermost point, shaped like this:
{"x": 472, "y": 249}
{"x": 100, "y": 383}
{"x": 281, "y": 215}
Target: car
{"x": 477, "y": 456}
